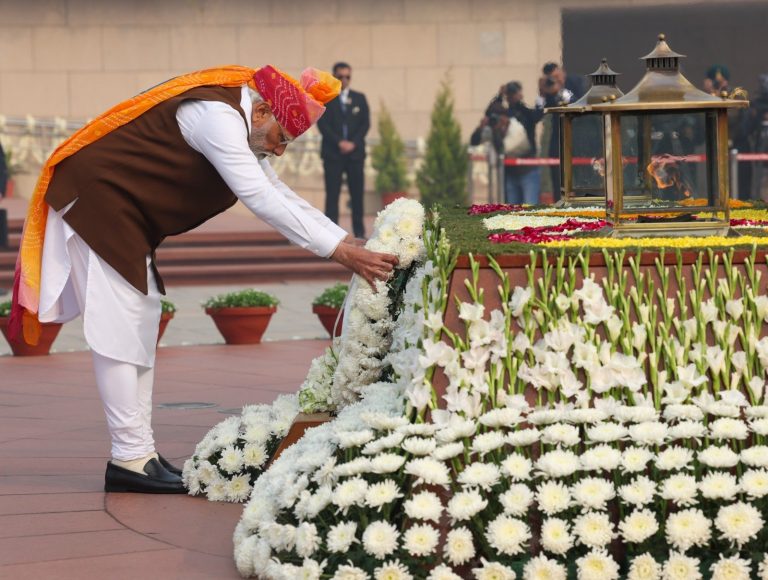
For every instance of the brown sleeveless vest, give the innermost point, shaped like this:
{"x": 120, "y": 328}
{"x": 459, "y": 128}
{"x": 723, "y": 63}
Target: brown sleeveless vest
{"x": 141, "y": 183}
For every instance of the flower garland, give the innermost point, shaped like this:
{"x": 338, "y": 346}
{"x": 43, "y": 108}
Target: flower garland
{"x": 544, "y": 234}
{"x": 235, "y": 452}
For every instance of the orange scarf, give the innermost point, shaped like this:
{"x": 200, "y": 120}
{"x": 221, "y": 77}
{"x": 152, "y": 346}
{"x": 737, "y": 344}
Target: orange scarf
{"x": 26, "y": 290}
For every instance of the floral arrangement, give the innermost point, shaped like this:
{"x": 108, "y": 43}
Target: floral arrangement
{"x": 358, "y": 359}
{"x": 167, "y": 307}
{"x": 247, "y": 298}
{"x": 333, "y": 296}
{"x": 5, "y": 308}
{"x": 235, "y": 452}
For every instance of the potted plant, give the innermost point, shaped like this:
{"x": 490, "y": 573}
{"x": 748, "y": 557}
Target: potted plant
{"x": 388, "y": 159}
{"x": 168, "y": 309}
{"x": 328, "y": 305}
{"x": 20, "y": 348}
{"x": 243, "y": 316}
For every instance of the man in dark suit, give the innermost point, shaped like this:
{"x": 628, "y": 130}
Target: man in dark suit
{"x": 344, "y": 127}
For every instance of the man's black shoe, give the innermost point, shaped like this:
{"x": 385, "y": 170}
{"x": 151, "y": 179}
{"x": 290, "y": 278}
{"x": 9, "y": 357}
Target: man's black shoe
{"x": 157, "y": 479}
{"x": 168, "y": 465}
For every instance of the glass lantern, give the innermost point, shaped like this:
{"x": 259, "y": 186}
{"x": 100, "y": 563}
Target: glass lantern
{"x": 582, "y": 156}
{"x": 666, "y": 151}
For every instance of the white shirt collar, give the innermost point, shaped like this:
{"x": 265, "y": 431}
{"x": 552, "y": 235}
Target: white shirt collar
{"x": 246, "y": 105}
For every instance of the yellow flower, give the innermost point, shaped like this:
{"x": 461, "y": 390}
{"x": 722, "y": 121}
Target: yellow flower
{"x": 686, "y": 242}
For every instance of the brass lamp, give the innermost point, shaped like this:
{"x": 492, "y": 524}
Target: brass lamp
{"x": 666, "y": 151}
{"x": 582, "y": 156}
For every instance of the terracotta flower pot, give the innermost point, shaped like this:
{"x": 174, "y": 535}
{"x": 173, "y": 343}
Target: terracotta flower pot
{"x": 327, "y": 316}
{"x": 21, "y": 348}
{"x": 242, "y": 325}
{"x": 387, "y": 198}
{"x": 165, "y": 318}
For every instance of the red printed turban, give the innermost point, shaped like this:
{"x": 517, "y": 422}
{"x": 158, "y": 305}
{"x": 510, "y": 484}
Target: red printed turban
{"x": 297, "y": 105}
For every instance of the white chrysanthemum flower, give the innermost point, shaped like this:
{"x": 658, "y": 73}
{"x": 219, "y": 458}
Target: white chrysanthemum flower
{"x": 217, "y": 489}
{"x": 504, "y": 417}
{"x": 280, "y": 537}
{"x": 674, "y": 458}
{"x": 593, "y": 493}
{"x": 757, "y": 411}
{"x": 759, "y": 426}
{"x": 459, "y": 546}
{"x": 544, "y": 415}
{"x": 419, "y": 445}
{"x": 644, "y": 567}
{"x": 484, "y": 475}
{"x": 755, "y": 456}
{"x": 341, "y": 536}
{"x": 693, "y": 430}
{"x": 597, "y": 565}
{"x": 688, "y": 528}
{"x": 543, "y": 568}
{"x": 254, "y": 455}
{"x": 239, "y": 488}
{"x": 754, "y": 482}
{"x": 728, "y": 428}
{"x": 649, "y": 433}
{"x": 256, "y": 432}
{"x": 443, "y": 572}
{"x": 465, "y": 504}
{"x": 719, "y": 485}
{"x": 718, "y": 456}
{"x": 382, "y": 493}
{"x": 394, "y": 439}
{"x": 561, "y": 434}
{"x": 380, "y": 539}
{"x": 349, "y": 572}
{"x": 681, "y": 567}
{"x": 558, "y": 463}
{"x": 553, "y": 497}
{"x": 421, "y": 540}
{"x": 487, "y": 442}
{"x": 586, "y": 416}
{"x": 231, "y": 459}
{"x": 636, "y": 414}
{"x": 635, "y": 459}
{"x": 638, "y": 526}
{"x": 679, "y": 412}
{"x": 449, "y": 451}
{"x": 428, "y": 471}
{"x": 739, "y": 523}
{"x": 762, "y": 569}
{"x": 680, "y": 489}
{"x": 493, "y": 571}
{"x": 382, "y": 421}
{"x": 386, "y": 463}
{"x": 424, "y": 505}
{"x": 607, "y": 432}
{"x": 392, "y": 570}
{"x": 639, "y": 492}
{"x": 307, "y": 539}
{"x": 523, "y": 437}
{"x": 349, "y": 493}
{"x": 733, "y": 568}
{"x": 355, "y": 467}
{"x": 354, "y": 438}
{"x": 508, "y": 535}
{"x": 516, "y": 500}
{"x": 593, "y": 529}
{"x": 555, "y": 536}
{"x": 601, "y": 457}
{"x": 517, "y": 466}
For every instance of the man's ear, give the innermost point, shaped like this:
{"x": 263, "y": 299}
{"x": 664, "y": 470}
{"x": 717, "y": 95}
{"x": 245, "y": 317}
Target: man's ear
{"x": 261, "y": 111}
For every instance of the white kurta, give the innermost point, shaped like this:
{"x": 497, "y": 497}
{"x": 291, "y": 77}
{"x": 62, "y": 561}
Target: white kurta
{"x": 119, "y": 321}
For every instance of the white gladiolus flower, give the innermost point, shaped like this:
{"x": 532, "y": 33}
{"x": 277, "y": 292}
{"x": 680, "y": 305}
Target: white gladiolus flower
{"x": 754, "y": 482}
{"x": 523, "y": 437}
{"x": 493, "y": 571}
{"x": 597, "y": 565}
{"x": 382, "y": 493}
{"x": 459, "y": 546}
{"x": 520, "y": 297}
{"x": 688, "y": 528}
{"x": 465, "y": 504}
{"x": 392, "y": 570}
{"x": 639, "y": 526}
{"x": 735, "y": 308}
{"x": 553, "y": 497}
{"x": 341, "y": 536}
{"x": 593, "y": 529}
{"x": 487, "y": 442}
{"x": 739, "y": 523}
{"x": 680, "y": 489}
{"x": 517, "y": 499}
{"x": 380, "y": 539}
{"x": 720, "y": 457}
{"x": 593, "y": 493}
{"x": 508, "y": 535}
{"x": 484, "y": 475}
{"x": 517, "y": 466}
{"x": 558, "y": 463}
{"x": 555, "y": 536}
{"x": 644, "y": 567}
{"x": 543, "y": 568}
{"x": 719, "y": 486}
{"x": 561, "y": 434}
{"x": 681, "y": 567}
{"x": 674, "y": 458}
{"x": 639, "y": 492}
{"x": 727, "y": 428}
{"x": 733, "y": 568}
{"x": 755, "y": 456}
{"x": 421, "y": 540}
{"x": 428, "y": 471}
{"x": 635, "y": 459}
{"x": 424, "y": 505}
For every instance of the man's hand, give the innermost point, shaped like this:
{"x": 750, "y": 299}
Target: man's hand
{"x": 346, "y": 146}
{"x": 371, "y": 266}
